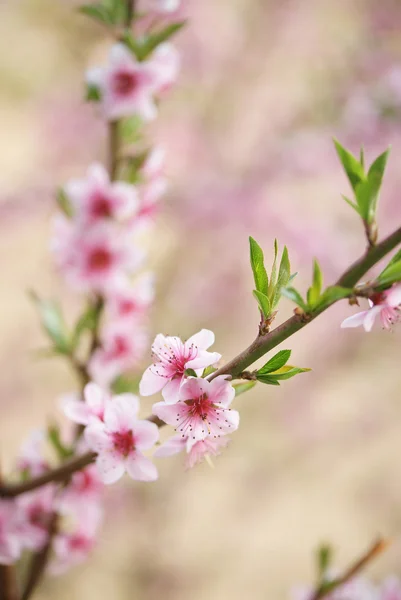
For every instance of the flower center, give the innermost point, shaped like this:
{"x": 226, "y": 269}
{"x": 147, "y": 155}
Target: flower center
{"x": 99, "y": 259}
{"x": 199, "y": 407}
{"x": 101, "y": 206}
{"x": 120, "y": 346}
{"x": 38, "y": 517}
{"x": 125, "y": 83}
{"x": 127, "y": 306}
{"x": 124, "y": 442}
{"x": 378, "y": 298}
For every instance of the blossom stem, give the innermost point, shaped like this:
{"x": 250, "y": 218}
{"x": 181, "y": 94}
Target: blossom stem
{"x": 268, "y": 341}
{"x": 326, "y": 588}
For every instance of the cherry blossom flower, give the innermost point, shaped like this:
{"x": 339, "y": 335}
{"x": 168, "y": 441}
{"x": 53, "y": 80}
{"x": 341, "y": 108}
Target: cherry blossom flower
{"x": 390, "y": 589}
{"x": 196, "y": 450}
{"x": 30, "y": 457}
{"x": 96, "y": 259}
{"x": 165, "y": 63}
{"x": 95, "y": 198}
{"x": 127, "y": 86}
{"x": 35, "y": 511}
{"x": 203, "y": 409}
{"x": 93, "y": 407}
{"x": 84, "y": 489}
{"x": 122, "y": 346}
{"x": 131, "y": 300}
{"x": 10, "y": 543}
{"x": 172, "y": 358}
{"x": 384, "y": 304}
{"x": 120, "y": 439}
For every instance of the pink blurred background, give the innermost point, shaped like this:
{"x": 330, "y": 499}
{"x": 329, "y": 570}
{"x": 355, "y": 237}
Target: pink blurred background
{"x": 265, "y": 85}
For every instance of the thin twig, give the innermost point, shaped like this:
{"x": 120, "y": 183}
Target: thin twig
{"x": 8, "y": 583}
{"x": 327, "y": 587}
{"x": 39, "y": 560}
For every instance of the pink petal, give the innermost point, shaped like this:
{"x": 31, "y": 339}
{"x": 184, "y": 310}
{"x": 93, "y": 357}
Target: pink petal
{"x": 203, "y": 339}
{"x": 194, "y": 387}
{"x": 119, "y": 55}
{"x": 121, "y": 412}
{"x": 204, "y": 359}
{"x": 393, "y": 297}
{"x": 110, "y": 467}
{"x": 222, "y": 391}
{"x": 94, "y": 395}
{"x": 98, "y": 175}
{"x": 76, "y": 410}
{"x": 151, "y": 382}
{"x": 371, "y": 316}
{"x": 146, "y": 434}
{"x": 355, "y": 320}
{"x": 169, "y": 412}
{"x": 171, "y": 391}
{"x": 141, "y": 468}
{"x": 96, "y": 438}
{"x": 172, "y": 446}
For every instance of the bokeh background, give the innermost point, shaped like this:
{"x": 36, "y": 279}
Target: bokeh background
{"x": 264, "y": 87}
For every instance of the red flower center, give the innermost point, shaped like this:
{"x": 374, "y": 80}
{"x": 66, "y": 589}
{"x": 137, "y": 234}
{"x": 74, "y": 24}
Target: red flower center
{"x": 124, "y": 442}
{"x": 38, "y": 517}
{"x": 101, "y": 206}
{"x": 125, "y": 83}
{"x": 100, "y": 259}
{"x": 200, "y": 407}
{"x": 378, "y": 298}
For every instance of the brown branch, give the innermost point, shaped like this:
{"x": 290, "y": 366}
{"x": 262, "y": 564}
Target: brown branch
{"x": 39, "y": 560}
{"x": 8, "y": 583}
{"x": 264, "y": 343}
{"x": 328, "y": 586}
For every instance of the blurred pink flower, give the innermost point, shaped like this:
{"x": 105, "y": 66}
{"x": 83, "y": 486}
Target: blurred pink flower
{"x": 93, "y": 407}
{"x": 35, "y": 510}
{"x": 173, "y": 357}
{"x": 390, "y": 589}
{"x": 203, "y": 410}
{"x": 30, "y": 458}
{"x": 126, "y": 300}
{"x": 127, "y": 86}
{"x": 84, "y": 488}
{"x": 95, "y": 198}
{"x": 10, "y": 543}
{"x": 120, "y": 439}
{"x": 196, "y": 451}
{"x": 122, "y": 347}
{"x": 384, "y": 304}
{"x": 165, "y": 63}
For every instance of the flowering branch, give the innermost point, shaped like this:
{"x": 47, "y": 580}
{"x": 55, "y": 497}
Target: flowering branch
{"x": 268, "y": 341}
{"x": 326, "y": 587}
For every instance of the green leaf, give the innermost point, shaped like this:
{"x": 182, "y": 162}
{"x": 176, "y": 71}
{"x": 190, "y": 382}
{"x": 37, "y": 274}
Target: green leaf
{"x": 272, "y": 283}
{"x": 129, "y": 129}
{"x": 267, "y": 380}
{"x": 324, "y": 560}
{"x": 287, "y": 372}
{"x": 316, "y": 288}
{"x": 258, "y": 267}
{"x": 362, "y": 157}
{"x": 125, "y": 385}
{"x": 284, "y": 274}
{"x": 241, "y": 388}
{"x": 53, "y": 433}
{"x": 395, "y": 258}
{"x": 93, "y": 93}
{"x": 354, "y": 206}
{"x": 292, "y": 294}
{"x": 391, "y": 274}
{"x": 133, "y": 165}
{"x": 278, "y": 361}
{"x": 190, "y": 373}
{"x": 352, "y": 167}
{"x": 98, "y": 12}
{"x": 86, "y": 322}
{"x": 53, "y": 323}
{"x": 208, "y": 371}
{"x": 64, "y": 203}
{"x": 263, "y": 302}
{"x": 145, "y": 45}
{"x": 375, "y": 178}
{"x": 334, "y": 293}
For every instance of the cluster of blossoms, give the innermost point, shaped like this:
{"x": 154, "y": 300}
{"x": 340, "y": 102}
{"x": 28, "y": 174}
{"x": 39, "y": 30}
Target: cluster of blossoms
{"x": 358, "y": 588}
{"x": 73, "y": 510}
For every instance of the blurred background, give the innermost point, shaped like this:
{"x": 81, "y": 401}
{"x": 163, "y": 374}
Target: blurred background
{"x": 248, "y": 128}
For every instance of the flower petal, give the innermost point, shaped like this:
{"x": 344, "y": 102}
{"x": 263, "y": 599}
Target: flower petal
{"x": 76, "y": 410}
{"x": 222, "y": 391}
{"x": 110, "y": 467}
{"x": 355, "y": 320}
{"x": 96, "y": 437}
{"x": 152, "y": 381}
{"x": 172, "y": 446}
{"x": 141, "y": 468}
{"x": 203, "y": 339}
{"x": 171, "y": 391}
{"x": 393, "y": 297}
{"x": 370, "y": 317}
{"x": 203, "y": 360}
{"x": 146, "y": 434}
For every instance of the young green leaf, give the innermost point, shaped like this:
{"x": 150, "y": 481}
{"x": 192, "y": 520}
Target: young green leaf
{"x": 98, "y": 12}
{"x": 263, "y": 302}
{"x": 352, "y": 167}
{"x": 324, "y": 560}
{"x": 258, "y": 267}
{"x": 53, "y": 323}
{"x": 64, "y": 203}
{"x": 278, "y": 361}
{"x": 267, "y": 380}
{"x": 125, "y": 385}
{"x": 316, "y": 287}
{"x": 273, "y": 275}
{"x": 284, "y": 274}
{"x": 154, "y": 40}
{"x": 93, "y": 93}
{"x": 391, "y": 274}
{"x": 241, "y": 388}
{"x": 292, "y": 294}
{"x": 208, "y": 371}
{"x": 86, "y": 322}
{"x": 287, "y": 372}
{"x": 334, "y": 293}
{"x": 62, "y": 451}
{"x": 352, "y": 204}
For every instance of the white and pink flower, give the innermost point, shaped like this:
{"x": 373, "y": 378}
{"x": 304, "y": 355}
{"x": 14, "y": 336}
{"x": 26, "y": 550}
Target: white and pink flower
{"x": 95, "y": 198}
{"x": 120, "y": 440}
{"x": 35, "y": 510}
{"x": 129, "y": 301}
{"x": 196, "y": 450}
{"x": 10, "y": 543}
{"x": 92, "y": 408}
{"x": 172, "y": 358}
{"x": 385, "y": 305}
{"x": 390, "y": 589}
{"x": 127, "y": 86}
{"x": 123, "y": 345}
{"x": 31, "y": 459}
{"x": 203, "y": 409}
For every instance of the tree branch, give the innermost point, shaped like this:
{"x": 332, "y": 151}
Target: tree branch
{"x": 8, "y": 583}
{"x": 264, "y": 343}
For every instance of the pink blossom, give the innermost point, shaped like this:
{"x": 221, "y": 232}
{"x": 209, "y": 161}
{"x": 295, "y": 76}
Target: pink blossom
{"x": 154, "y": 165}
{"x": 93, "y": 406}
{"x": 131, "y": 300}
{"x": 172, "y": 358}
{"x": 94, "y": 259}
{"x": 390, "y": 589}
{"x": 127, "y": 86}
{"x": 165, "y": 63}
{"x": 120, "y": 439}
{"x": 196, "y": 451}
{"x": 84, "y": 490}
{"x": 10, "y": 543}
{"x": 31, "y": 455}
{"x": 203, "y": 409}
{"x": 35, "y": 511}
{"x": 122, "y": 346}
{"x": 95, "y": 198}
{"x": 150, "y": 196}
{"x": 384, "y": 304}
